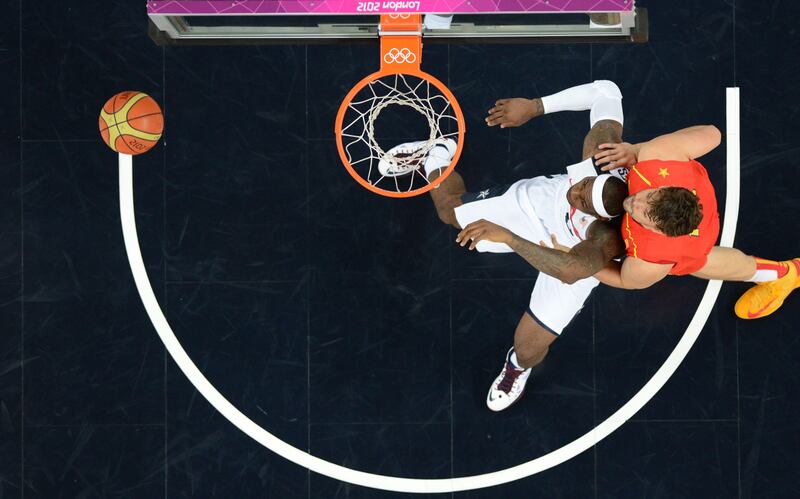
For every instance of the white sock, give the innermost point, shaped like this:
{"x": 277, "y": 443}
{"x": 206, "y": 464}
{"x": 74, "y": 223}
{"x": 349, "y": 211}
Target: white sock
{"x": 602, "y": 97}
{"x": 769, "y": 270}
{"x": 764, "y": 276}
{"x": 514, "y": 362}
{"x": 438, "y": 158}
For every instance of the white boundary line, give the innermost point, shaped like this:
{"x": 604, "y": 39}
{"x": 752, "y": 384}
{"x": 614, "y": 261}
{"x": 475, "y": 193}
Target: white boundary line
{"x": 732, "y": 183}
{"x": 554, "y": 458}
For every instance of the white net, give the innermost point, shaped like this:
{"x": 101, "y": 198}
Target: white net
{"x": 399, "y": 167}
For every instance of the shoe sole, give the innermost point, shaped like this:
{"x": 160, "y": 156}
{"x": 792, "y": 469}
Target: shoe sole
{"x": 386, "y": 169}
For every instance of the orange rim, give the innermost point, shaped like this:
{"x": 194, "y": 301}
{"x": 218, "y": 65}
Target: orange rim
{"x": 340, "y": 145}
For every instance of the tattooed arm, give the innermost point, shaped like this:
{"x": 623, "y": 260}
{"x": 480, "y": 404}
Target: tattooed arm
{"x": 584, "y": 259}
{"x": 565, "y": 267}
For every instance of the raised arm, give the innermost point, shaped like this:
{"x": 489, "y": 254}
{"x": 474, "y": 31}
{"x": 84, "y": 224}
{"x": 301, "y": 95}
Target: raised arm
{"x": 689, "y": 143}
{"x": 683, "y": 145}
{"x": 602, "y": 97}
{"x": 583, "y": 260}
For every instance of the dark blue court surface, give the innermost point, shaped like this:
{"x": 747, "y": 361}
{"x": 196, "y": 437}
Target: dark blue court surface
{"x": 351, "y": 325}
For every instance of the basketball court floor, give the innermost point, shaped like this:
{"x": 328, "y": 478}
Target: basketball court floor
{"x": 350, "y": 325}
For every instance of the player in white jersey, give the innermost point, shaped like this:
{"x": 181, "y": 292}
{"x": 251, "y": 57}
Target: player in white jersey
{"x": 571, "y": 211}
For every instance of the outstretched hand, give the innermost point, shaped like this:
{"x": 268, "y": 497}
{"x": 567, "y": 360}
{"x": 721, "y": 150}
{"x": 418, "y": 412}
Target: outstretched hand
{"x": 483, "y": 230}
{"x": 513, "y": 112}
{"x": 613, "y": 156}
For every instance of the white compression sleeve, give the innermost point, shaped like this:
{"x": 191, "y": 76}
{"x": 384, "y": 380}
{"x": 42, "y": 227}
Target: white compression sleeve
{"x": 602, "y": 97}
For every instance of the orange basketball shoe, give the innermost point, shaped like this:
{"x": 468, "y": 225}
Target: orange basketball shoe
{"x": 767, "y": 297}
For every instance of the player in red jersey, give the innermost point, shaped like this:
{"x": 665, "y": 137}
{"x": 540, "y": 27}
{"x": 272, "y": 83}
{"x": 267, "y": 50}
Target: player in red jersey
{"x": 671, "y": 223}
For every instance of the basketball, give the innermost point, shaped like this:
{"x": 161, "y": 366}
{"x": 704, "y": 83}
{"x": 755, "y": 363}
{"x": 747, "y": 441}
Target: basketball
{"x": 131, "y": 122}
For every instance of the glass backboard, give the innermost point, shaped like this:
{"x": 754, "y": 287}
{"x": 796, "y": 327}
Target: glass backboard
{"x": 327, "y": 21}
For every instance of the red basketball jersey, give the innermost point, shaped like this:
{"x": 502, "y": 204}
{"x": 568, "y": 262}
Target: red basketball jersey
{"x": 687, "y": 253}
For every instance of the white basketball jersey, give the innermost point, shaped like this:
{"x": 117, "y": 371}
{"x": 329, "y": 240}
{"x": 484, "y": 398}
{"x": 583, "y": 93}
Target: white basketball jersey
{"x": 547, "y": 197}
{"x": 534, "y": 209}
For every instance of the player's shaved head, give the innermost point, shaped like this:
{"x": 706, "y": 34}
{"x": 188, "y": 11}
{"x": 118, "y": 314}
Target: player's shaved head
{"x": 614, "y": 193}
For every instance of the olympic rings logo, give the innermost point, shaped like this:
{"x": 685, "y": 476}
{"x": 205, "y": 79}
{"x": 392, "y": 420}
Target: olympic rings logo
{"x": 399, "y": 56}
{"x": 399, "y": 16}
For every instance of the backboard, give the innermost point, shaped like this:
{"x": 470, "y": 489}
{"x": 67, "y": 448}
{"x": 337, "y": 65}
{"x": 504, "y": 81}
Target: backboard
{"x": 331, "y": 21}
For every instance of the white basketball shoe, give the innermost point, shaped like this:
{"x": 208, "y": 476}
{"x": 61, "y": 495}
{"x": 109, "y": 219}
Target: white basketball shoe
{"x": 508, "y": 387}
{"x": 398, "y": 162}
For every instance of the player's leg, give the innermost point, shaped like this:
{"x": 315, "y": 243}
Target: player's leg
{"x": 495, "y": 204}
{"x": 776, "y": 280}
{"x": 447, "y": 196}
{"x": 728, "y": 264}
{"x": 553, "y": 305}
{"x": 531, "y": 342}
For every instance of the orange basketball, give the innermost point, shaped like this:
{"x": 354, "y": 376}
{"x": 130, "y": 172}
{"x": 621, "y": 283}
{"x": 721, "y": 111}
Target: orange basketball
{"x": 131, "y": 122}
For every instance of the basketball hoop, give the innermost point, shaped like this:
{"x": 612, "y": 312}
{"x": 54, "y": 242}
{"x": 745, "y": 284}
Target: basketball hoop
{"x": 390, "y": 170}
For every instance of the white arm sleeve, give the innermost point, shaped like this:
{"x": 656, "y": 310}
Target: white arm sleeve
{"x": 602, "y": 97}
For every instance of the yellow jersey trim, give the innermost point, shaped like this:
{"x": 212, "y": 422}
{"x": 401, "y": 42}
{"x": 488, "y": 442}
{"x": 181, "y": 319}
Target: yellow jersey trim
{"x": 630, "y": 235}
{"x": 642, "y": 177}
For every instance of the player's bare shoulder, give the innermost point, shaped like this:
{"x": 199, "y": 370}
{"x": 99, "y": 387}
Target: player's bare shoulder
{"x": 606, "y": 234}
